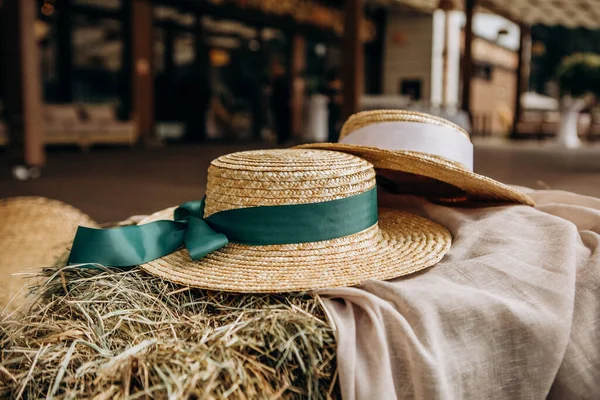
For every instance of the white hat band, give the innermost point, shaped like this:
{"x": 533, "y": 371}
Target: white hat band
{"x": 415, "y": 136}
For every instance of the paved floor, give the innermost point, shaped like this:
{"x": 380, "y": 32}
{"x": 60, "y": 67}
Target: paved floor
{"x": 112, "y": 184}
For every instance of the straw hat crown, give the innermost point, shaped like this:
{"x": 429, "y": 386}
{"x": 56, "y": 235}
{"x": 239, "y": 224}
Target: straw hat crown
{"x": 282, "y": 177}
{"x": 390, "y": 245}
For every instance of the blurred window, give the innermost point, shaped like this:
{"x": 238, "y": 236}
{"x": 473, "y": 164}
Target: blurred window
{"x": 45, "y": 33}
{"x": 316, "y": 65}
{"x": 483, "y": 71}
{"x": 97, "y": 53}
{"x": 411, "y": 88}
{"x": 183, "y": 49}
{"x": 174, "y": 16}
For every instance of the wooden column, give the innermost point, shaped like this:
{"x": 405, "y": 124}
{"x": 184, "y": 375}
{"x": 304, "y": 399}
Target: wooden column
{"x": 143, "y": 77}
{"x": 22, "y": 83}
{"x": 467, "y": 61}
{"x": 298, "y": 63}
{"x": 445, "y": 53}
{"x": 522, "y": 74}
{"x": 352, "y": 73}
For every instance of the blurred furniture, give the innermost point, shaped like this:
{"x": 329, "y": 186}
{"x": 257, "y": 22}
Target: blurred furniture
{"x": 62, "y": 124}
{"x": 540, "y": 124}
{"x": 537, "y": 101}
{"x": 101, "y": 126}
{"x": 529, "y": 125}
{"x": 242, "y": 124}
{"x": 550, "y": 124}
{"x": 170, "y": 130}
{"x": 593, "y": 132}
{"x": 482, "y": 124}
{"x": 584, "y": 125}
{"x": 82, "y": 125}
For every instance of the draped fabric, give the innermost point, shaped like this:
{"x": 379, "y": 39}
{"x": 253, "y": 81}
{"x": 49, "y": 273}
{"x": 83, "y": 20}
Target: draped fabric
{"x": 511, "y": 312}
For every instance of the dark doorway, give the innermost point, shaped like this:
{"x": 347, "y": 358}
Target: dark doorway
{"x": 411, "y": 88}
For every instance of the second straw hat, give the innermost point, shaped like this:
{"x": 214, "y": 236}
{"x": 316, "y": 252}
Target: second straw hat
{"x": 431, "y": 156}
{"x": 283, "y": 221}
{"x": 34, "y": 233}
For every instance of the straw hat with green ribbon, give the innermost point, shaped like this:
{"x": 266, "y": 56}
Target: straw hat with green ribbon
{"x": 274, "y": 221}
{"x": 420, "y": 154}
{"x": 34, "y": 233}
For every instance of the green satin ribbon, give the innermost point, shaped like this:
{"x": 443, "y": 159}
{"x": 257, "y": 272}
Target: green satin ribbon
{"x": 257, "y": 226}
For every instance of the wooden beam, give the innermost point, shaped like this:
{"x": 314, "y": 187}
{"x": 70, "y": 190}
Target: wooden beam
{"x": 298, "y": 64}
{"x": 143, "y": 78}
{"x": 522, "y": 74}
{"x": 22, "y": 83}
{"x": 467, "y": 60}
{"x": 445, "y": 53}
{"x": 352, "y": 69}
{"x": 32, "y": 85}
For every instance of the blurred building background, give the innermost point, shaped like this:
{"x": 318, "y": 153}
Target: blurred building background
{"x": 187, "y": 70}
{"x": 125, "y": 71}
{"x": 140, "y": 73}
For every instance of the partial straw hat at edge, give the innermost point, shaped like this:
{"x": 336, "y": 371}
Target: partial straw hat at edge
{"x": 34, "y": 233}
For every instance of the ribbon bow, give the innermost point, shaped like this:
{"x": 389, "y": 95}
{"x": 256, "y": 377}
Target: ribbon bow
{"x": 133, "y": 245}
{"x": 255, "y": 226}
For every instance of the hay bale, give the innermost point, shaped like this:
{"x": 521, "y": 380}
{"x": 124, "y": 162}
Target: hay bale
{"x": 105, "y": 334}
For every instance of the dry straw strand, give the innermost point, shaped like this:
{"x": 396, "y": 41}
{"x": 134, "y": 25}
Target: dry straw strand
{"x": 126, "y": 335}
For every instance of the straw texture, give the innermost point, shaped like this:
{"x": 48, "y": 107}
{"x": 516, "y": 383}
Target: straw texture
{"x": 34, "y": 233}
{"x": 473, "y": 188}
{"x": 108, "y": 334}
{"x": 400, "y": 244}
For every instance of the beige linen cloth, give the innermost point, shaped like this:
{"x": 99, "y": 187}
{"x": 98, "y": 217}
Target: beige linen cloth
{"x": 511, "y": 312}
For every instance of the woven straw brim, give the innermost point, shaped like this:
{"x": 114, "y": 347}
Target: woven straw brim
{"x": 34, "y": 233}
{"x": 399, "y": 245}
{"x": 477, "y": 188}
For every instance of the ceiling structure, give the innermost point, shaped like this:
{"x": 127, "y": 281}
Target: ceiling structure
{"x": 569, "y": 13}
